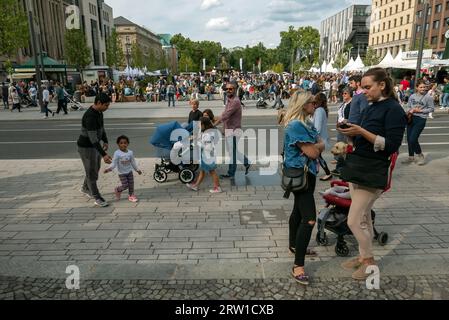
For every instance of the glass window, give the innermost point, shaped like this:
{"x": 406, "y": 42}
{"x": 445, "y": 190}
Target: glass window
{"x": 399, "y": 35}
{"x": 434, "y": 40}
{"x": 438, "y": 8}
{"x": 427, "y": 27}
{"x": 419, "y": 14}
{"x": 436, "y": 24}
{"x": 403, "y": 6}
{"x": 408, "y": 18}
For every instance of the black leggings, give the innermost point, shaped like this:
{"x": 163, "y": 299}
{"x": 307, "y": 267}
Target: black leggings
{"x": 304, "y": 212}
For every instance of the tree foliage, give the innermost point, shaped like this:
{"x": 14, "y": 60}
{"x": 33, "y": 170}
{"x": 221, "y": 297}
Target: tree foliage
{"x": 137, "y": 57}
{"x": 371, "y": 58}
{"x": 298, "y": 45}
{"x": 114, "y": 52}
{"x": 76, "y": 51}
{"x": 14, "y": 26}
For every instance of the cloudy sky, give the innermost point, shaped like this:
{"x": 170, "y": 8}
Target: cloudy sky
{"x": 231, "y": 22}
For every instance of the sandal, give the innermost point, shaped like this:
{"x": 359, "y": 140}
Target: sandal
{"x": 326, "y": 178}
{"x": 302, "y": 278}
{"x": 309, "y": 252}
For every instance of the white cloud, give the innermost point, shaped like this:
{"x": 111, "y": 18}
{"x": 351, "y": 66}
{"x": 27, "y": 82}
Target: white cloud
{"x": 221, "y": 24}
{"x": 207, "y": 4}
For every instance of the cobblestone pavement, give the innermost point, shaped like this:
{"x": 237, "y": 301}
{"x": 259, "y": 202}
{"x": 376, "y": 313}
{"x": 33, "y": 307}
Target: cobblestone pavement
{"x": 392, "y": 288}
{"x": 44, "y": 220}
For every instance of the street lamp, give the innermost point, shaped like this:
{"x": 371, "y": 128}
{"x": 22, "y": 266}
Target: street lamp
{"x": 349, "y": 52}
{"x": 423, "y": 35}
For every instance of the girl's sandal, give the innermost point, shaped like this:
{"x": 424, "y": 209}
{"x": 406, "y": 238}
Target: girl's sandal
{"x": 302, "y": 278}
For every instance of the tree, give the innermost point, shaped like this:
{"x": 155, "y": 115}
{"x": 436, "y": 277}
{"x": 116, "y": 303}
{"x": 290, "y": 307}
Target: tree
{"x": 76, "y": 51}
{"x": 137, "y": 56}
{"x": 14, "y": 32}
{"x": 186, "y": 64}
{"x": 278, "y": 68}
{"x": 341, "y": 60}
{"x": 114, "y": 52}
{"x": 371, "y": 58}
{"x": 418, "y": 43}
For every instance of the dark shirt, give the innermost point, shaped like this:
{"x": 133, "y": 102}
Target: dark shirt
{"x": 5, "y": 92}
{"x": 92, "y": 131}
{"x": 195, "y": 116}
{"x": 386, "y": 119}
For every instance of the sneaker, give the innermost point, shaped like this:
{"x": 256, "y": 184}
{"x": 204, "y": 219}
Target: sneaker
{"x": 408, "y": 160}
{"x": 100, "y": 202}
{"x": 361, "y": 274}
{"x": 86, "y": 193}
{"x": 118, "y": 195}
{"x": 133, "y": 199}
{"x": 421, "y": 160}
{"x": 44, "y": 117}
{"x": 443, "y": 108}
{"x": 216, "y": 190}
{"x": 192, "y": 187}
{"x": 352, "y": 264}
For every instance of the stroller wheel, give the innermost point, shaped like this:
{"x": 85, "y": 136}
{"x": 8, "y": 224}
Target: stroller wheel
{"x": 160, "y": 176}
{"x": 186, "y": 176}
{"x": 342, "y": 250}
{"x": 322, "y": 241}
{"x": 383, "y": 238}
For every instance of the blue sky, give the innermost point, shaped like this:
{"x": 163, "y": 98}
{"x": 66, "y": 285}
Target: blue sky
{"x": 231, "y": 22}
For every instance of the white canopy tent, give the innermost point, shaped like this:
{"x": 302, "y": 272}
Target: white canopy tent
{"x": 387, "y": 62}
{"x": 349, "y": 65}
{"x": 358, "y": 64}
{"x": 323, "y": 67}
{"x": 330, "y": 68}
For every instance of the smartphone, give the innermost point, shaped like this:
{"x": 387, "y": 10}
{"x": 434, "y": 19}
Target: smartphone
{"x": 344, "y": 126}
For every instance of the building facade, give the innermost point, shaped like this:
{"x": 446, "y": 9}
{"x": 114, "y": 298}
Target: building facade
{"x": 132, "y": 34}
{"x": 346, "y": 29}
{"x": 50, "y": 16}
{"x": 97, "y": 23}
{"x": 392, "y": 26}
{"x": 436, "y": 27}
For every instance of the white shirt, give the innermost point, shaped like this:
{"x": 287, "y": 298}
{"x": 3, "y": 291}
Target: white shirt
{"x": 124, "y": 162}
{"x": 46, "y": 95}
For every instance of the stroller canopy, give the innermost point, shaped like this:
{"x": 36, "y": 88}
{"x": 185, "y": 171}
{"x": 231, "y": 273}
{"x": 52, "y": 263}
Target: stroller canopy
{"x": 161, "y": 138}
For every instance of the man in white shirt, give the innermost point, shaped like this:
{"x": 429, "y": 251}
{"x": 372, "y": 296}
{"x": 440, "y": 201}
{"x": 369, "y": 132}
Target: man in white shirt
{"x": 46, "y": 101}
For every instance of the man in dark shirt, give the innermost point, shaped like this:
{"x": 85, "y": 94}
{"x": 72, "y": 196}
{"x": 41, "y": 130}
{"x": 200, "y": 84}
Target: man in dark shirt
{"x": 195, "y": 114}
{"x": 90, "y": 149}
{"x": 5, "y": 96}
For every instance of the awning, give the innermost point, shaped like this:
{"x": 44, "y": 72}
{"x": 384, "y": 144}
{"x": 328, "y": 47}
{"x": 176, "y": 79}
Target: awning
{"x": 23, "y": 75}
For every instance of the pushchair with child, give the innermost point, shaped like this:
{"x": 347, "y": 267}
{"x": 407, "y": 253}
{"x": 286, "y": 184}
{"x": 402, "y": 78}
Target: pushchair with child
{"x": 161, "y": 140}
{"x": 335, "y": 217}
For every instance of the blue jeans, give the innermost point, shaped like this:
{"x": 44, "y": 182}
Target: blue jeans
{"x": 446, "y": 100}
{"x": 236, "y": 155}
{"x": 171, "y": 97}
{"x": 414, "y": 130}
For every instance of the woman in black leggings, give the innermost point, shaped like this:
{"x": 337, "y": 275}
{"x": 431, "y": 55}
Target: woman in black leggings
{"x": 302, "y": 147}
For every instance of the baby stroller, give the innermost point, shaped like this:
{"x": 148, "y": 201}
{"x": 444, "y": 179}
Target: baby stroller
{"x": 335, "y": 218}
{"x": 261, "y": 102}
{"x": 163, "y": 144}
{"x": 73, "y": 104}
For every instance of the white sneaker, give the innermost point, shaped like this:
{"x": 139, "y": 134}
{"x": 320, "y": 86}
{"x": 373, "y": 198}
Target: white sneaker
{"x": 216, "y": 190}
{"x": 44, "y": 117}
{"x": 421, "y": 160}
{"x": 443, "y": 108}
{"x": 192, "y": 187}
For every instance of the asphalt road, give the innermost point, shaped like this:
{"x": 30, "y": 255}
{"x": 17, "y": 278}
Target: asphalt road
{"x": 48, "y": 139}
